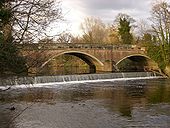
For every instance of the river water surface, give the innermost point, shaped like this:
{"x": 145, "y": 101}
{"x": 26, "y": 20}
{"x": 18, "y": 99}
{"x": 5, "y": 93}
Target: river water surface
{"x": 122, "y": 104}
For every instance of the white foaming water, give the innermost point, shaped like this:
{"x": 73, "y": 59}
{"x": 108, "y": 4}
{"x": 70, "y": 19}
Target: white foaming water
{"x": 57, "y": 84}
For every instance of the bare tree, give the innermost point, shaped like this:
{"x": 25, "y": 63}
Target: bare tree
{"x": 143, "y": 27}
{"x": 76, "y": 39}
{"x": 64, "y": 38}
{"x": 159, "y": 50}
{"x": 25, "y": 21}
{"x": 31, "y": 18}
{"x": 113, "y": 35}
{"x": 161, "y": 22}
{"x": 94, "y": 30}
{"x": 161, "y": 29}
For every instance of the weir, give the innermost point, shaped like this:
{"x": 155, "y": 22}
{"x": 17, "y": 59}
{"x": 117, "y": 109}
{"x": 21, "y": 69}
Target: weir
{"x": 52, "y": 80}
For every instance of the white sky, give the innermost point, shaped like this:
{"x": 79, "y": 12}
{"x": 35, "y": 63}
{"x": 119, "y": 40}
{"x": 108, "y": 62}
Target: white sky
{"x": 76, "y": 10}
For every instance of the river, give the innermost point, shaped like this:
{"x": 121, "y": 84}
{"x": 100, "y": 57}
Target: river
{"x": 108, "y": 104}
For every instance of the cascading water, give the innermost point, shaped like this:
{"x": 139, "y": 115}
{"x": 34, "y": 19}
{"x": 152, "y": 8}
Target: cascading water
{"x": 53, "y": 80}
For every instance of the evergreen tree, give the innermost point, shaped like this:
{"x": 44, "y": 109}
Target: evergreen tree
{"x": 124, "y": 24}
{"x": 124, "y": 31}
{"x": 10, "y": 61}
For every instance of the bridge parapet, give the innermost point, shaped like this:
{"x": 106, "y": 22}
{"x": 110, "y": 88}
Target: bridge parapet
{"x": 54, "y": 46}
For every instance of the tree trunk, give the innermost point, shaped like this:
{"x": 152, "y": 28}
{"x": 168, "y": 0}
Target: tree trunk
{"x": 7, "y": 31}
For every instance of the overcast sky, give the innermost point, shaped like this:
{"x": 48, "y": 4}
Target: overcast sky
{"x": 76, "y": 10}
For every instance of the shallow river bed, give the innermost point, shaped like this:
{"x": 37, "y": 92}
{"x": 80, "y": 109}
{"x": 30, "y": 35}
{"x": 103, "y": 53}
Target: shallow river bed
{"x": 123, "y": 104}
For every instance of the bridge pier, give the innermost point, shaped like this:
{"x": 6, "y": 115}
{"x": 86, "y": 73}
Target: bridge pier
{"x": 33, "y": 71}
{"x": 107, "y": 67}
{"x": 92, "y": 69}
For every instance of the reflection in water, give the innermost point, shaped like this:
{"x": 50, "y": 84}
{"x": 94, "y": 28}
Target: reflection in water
{"x": 65, "y": 64}
{"x": 106, "y": 104}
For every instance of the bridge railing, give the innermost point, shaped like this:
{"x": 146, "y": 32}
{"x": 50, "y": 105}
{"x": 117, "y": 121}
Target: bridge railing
{"x": 53, "y": 46}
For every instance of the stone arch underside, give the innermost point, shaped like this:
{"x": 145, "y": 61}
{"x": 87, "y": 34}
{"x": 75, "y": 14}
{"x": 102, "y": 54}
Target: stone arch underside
{"x": 137, "y": 62}
{"x": 94, "y": 63}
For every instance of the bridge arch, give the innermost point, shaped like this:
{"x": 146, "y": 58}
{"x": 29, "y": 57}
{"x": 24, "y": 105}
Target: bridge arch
{"x": 137, "y": 62}
{"x": 93, "y": 62}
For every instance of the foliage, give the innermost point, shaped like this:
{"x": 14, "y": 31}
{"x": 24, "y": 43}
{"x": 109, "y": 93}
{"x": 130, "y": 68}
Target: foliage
{"x": 147, "y": 40}
{"x": 124, "y": 16}
{"x": 5, "y": 15}
{"x": 95, "y": 31}
{"x": 124, "y": 31}
{"x": 10, "y": 61}
{"x": 65, "y": 64}
{"x": 23, "y": 21}
{"x": 160, "y": 50}
{"x": 29, "y": 19}
{"x": 156, "y": 54}
{"x": 124, "y": 27}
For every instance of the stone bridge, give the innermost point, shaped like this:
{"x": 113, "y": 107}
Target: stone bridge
{"x": 99, "y": 57}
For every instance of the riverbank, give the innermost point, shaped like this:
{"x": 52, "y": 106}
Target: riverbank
{"x": 167, "y": 70}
